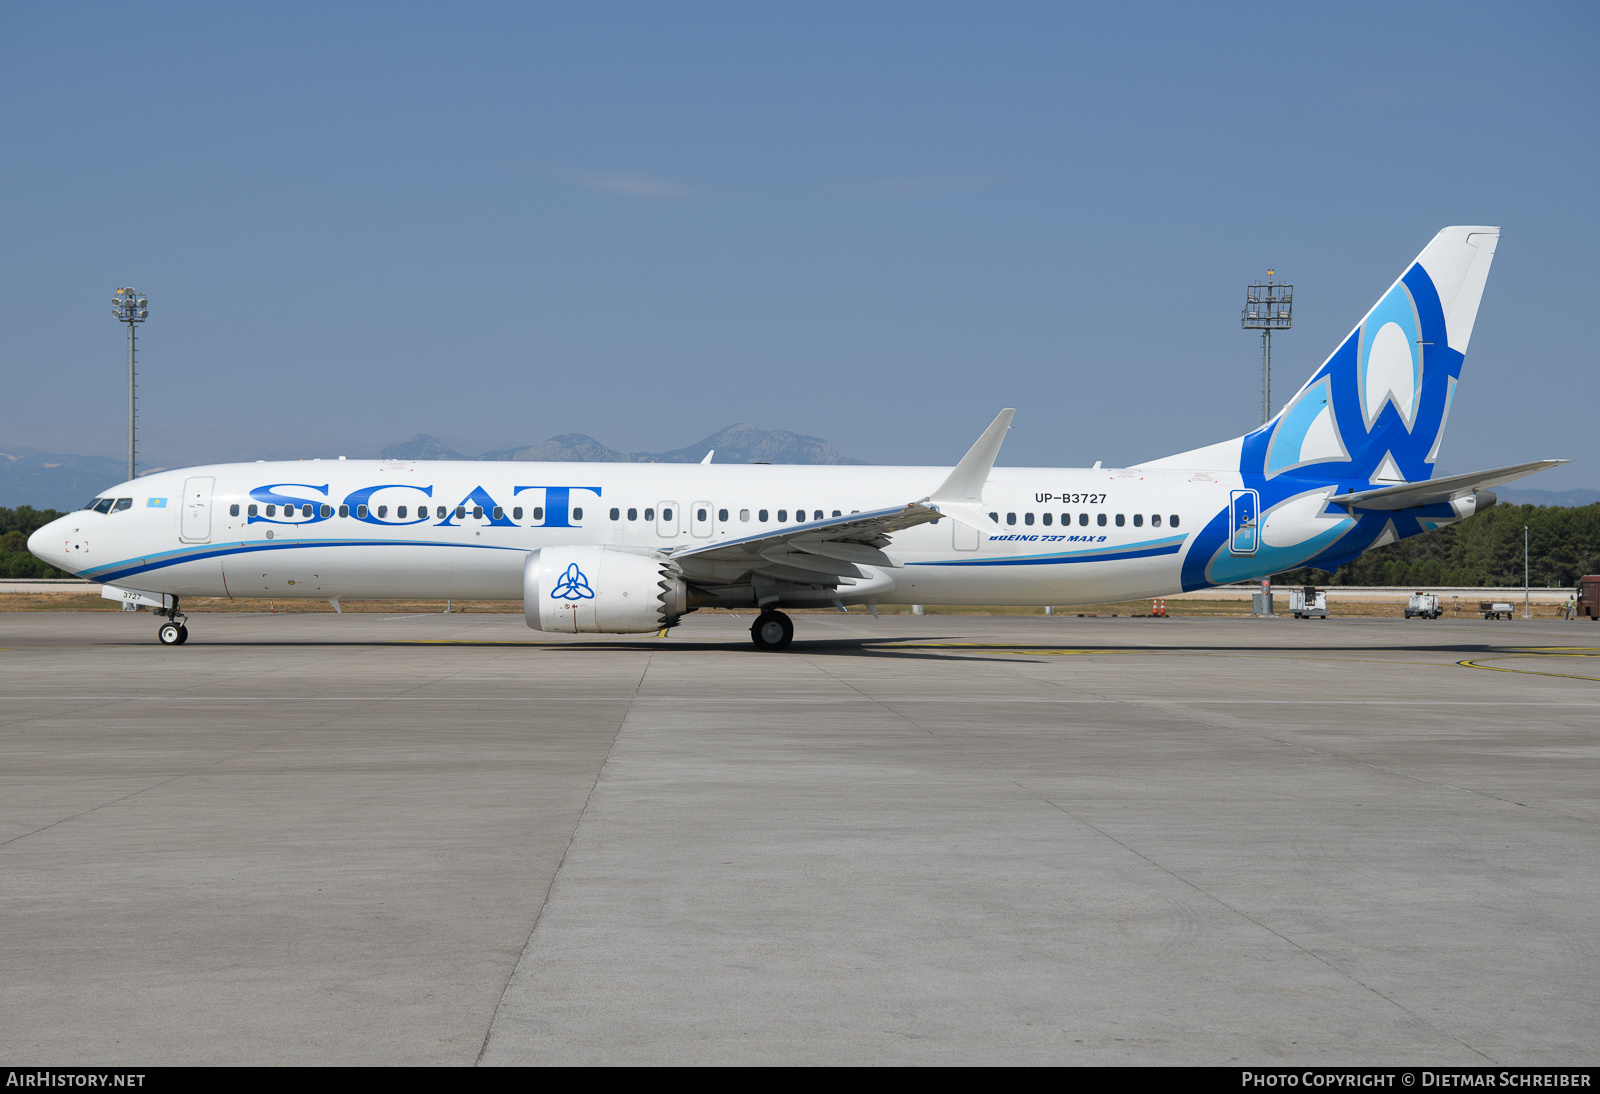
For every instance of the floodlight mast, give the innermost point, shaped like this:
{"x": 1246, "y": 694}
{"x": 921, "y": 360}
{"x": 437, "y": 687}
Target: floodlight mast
{"x": 131, "y": 307}
{"x": 1267, "y": 308}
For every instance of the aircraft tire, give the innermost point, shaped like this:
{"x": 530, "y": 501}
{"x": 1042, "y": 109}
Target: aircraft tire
{"x": 171, "y": 634}
{"x": 772, "y": 631}
{"x": 183, "y": 634}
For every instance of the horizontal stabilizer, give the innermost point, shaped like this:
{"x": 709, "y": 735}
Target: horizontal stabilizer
{"x": 1412, "y": 494}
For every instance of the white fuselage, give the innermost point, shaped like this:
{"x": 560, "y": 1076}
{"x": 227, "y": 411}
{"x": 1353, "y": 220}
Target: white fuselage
{"x": 1063, "y": 536}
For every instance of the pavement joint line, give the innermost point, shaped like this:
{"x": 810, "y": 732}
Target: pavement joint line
{"x": 163, "y": 782}
{"x": 1341, "y": 758}
{"x": 1192, "y": 885}
{"x": 804, "y": 699}
{"x": 572, "y": 837}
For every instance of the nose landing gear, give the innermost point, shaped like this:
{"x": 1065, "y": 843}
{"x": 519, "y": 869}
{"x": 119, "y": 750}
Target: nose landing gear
{"x": 772, "y": 631}
{"x": 173, "y": 632}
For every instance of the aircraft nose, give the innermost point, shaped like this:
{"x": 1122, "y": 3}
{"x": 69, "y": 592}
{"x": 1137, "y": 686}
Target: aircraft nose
{"x": 45, "y": 544}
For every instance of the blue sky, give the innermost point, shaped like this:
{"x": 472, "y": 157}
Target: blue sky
{"x": 875, "y": 223}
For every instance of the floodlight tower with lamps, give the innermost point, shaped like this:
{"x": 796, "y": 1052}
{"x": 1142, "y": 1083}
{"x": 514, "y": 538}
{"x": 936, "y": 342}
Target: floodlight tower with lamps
{"x": 131, "y": 307}
{"x": 1267, "y": 308}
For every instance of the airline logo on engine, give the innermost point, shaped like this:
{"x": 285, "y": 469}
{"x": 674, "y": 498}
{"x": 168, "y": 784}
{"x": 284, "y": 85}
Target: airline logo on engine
{"x": 572, "y": 585}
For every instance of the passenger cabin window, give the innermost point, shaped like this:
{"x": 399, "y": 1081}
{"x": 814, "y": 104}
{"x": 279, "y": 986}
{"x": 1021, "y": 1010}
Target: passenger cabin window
{"x": 577, "y": 514}
{"x": 1100, "y": 519}
{"x": 1011, "y": 518}
{"x": 1027, "y": 518}
{"x": 616, "y": 514}
{"x": 516, "y": 514}
{"x": 1046, "y": 518}
{"x": 649, "y": 514}
{"x": 233, "y": 510}
{"x": 344, "y": 510}
{"x": 633, "y": 514}
{"x": 251, "y": 511}
{"x": 762, "y": 516}
{"x": 783, "y": 515}
{"x": 1121, "y": 520}
{"x": 400, "y": 512}
{"x": 722, "y": 515}
{"x": 744, "y": 515}
{"x": 1155, "y": 520}
{"x": 499, "y": 513}
{"x": 995, "y": 517}
{"x": 272, "y": 510}
{"x": 1174, "y": 520}
{"x": 700, "y": 514}
{"x": 440, "y": 512}
{"x": 1138, "y": 520}
{"x": 837, "y": 513}
{"x": 477, "y": 512}
{"x": 1083, "y": 520}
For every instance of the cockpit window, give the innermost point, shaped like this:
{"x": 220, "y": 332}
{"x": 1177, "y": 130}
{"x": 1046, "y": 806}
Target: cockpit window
{"x": 122, "y": 503}
{"x": 102, "y": 505}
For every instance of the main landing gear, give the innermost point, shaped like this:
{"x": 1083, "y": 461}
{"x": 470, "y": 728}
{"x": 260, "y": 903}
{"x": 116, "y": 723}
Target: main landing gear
{"x": 173, "y": 632}
{"x": 772, "y": 631}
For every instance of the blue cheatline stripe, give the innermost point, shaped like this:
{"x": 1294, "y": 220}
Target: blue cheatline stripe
{"x": 1101, "y": 554}
{"x": 148, "y": 563}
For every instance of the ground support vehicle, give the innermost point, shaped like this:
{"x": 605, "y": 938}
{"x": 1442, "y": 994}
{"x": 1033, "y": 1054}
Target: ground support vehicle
{"x": 1308, "y": 603}
{"x": 1497, "y": 609}
{"x": 1424, "y": 606}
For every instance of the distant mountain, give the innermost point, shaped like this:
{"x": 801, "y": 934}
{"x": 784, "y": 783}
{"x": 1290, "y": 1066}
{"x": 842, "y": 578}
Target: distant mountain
{"x": 742, "y": 443}
{"x": 421, "y": 447}
{"x": 1519, "y": 495}
{"x": 47, "y": 480}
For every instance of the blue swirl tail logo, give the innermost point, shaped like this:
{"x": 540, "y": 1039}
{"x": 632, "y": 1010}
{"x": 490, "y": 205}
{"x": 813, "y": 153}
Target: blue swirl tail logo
{"x": 572, "y": 585}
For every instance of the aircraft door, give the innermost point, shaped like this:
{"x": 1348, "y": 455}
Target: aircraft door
{"x": 964, "y": 536}
{"x": 197, "y": 509}
{"x": 667, "y": 519}
{"x": 700, "y": 519}
{"x": 1244, "y": 522}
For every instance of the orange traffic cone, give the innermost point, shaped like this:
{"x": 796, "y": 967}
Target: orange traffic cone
{"x": 1158, "y": 608}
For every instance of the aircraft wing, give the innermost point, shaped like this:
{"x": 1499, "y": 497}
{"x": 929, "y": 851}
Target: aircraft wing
{"x": 832, "y": 552}
{"x": 822, "y": 552}
{"x": 1411, "y": 494}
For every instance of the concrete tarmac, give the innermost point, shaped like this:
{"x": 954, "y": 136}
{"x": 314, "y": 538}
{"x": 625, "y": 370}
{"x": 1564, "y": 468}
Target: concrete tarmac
{"x": 448, "y": 839}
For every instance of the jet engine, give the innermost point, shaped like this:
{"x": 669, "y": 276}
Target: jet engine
{"x": 600, "y": 590}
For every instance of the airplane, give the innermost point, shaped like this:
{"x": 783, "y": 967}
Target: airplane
{"x": 1345, "y": 466}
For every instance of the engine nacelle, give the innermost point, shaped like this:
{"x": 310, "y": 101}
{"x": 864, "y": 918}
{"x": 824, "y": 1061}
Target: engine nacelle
{"x": 600, "y": 590}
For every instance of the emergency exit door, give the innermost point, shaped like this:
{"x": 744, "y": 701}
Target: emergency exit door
{"x": 197, "y": 509}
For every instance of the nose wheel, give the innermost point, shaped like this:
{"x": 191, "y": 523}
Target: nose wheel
{"x": 173, "y": 632}
{"x": 772, "y": 631}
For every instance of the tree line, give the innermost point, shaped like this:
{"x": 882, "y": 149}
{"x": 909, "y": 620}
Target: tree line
{"x": 16, "y": 525}
{"x": 1485, "y": 549}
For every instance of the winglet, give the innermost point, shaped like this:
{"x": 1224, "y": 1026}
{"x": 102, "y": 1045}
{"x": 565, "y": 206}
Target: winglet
{"x": 961, "y": 495}
{"x": 966, "y": 482}
{"x": 713, "y": 452}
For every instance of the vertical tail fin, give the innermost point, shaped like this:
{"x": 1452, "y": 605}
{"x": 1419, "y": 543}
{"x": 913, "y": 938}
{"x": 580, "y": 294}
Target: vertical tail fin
{"x": 1376, "y": 409}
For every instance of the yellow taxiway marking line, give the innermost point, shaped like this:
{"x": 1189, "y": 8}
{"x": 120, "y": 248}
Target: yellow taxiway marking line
{"x": 1535, "y": 651}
